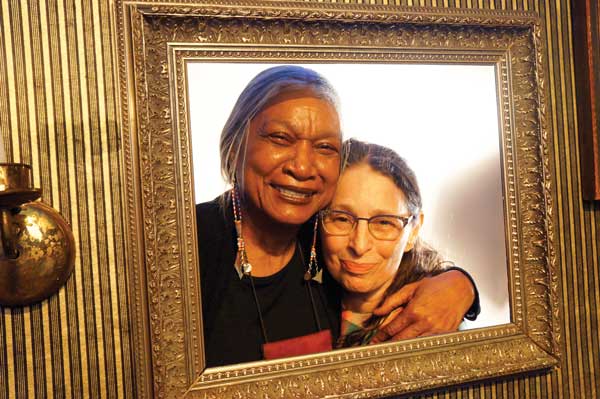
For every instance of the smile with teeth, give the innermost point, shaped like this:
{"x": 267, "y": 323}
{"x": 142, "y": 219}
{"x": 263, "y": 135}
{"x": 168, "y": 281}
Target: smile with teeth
{"x": 294, "y": 193}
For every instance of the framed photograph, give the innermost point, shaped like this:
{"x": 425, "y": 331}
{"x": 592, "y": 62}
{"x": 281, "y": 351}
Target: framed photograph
{"x": 456, "y": 155}
{"x": 460, "y": 95}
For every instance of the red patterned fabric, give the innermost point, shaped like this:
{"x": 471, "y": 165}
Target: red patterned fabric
{"x": 303, "y": 345}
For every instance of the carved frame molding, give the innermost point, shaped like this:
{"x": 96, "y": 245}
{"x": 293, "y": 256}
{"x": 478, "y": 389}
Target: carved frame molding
{"x": 155, "y": 42}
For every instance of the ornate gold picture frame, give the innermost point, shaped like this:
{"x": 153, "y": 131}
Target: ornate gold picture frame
{"x": 155, "y": 42}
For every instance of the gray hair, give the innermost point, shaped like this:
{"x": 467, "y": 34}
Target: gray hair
{"x": 254, "y": 98}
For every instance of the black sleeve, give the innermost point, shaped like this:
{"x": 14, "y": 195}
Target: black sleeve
{"x": 216, "y": 254}
{"x": 475, "y": 308}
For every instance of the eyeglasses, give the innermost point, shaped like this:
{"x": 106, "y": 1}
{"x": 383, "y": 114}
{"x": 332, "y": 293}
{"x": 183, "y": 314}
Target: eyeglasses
{"x": 381, "y": 227}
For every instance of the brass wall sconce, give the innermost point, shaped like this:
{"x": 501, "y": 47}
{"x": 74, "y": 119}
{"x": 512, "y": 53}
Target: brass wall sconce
{"x": 37, "y": 251}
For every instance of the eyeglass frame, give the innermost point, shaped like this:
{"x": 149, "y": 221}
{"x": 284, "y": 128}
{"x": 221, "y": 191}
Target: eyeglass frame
{"x": 405, "y": 220}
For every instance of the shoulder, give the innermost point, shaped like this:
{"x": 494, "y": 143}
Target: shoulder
{"x": 216, "y": 235}
{"x": 211, "y": 220}
{"x": 216, "y": 244}
{"x": 209, "y": 210}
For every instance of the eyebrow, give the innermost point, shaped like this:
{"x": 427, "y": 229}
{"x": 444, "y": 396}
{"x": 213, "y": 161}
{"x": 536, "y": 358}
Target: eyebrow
{"x": 277, "y": 121}
{"x": 377, "y": 212}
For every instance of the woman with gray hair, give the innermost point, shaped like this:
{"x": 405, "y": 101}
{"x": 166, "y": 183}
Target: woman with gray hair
{"x": 281, "y": 151}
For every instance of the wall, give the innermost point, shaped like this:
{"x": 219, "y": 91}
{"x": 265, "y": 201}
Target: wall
{"x": 58, "y": 112}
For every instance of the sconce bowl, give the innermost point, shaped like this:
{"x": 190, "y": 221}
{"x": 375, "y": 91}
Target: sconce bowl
{"x": 46, "y": 256}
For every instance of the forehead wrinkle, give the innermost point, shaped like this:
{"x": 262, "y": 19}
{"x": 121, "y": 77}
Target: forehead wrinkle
{"x": 360, "y": 201}
{"x": 293, "y": 128}
{"x": 316, "y": 116}
{"x": 350, "y": 208}
{"x": 283, "y": 122}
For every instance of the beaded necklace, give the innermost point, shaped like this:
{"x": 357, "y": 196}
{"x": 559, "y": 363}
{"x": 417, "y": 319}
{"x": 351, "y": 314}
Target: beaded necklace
{"x": 245, "y": 267}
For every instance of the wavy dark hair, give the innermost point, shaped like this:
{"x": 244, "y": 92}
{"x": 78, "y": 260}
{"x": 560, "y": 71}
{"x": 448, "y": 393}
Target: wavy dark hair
{"x": 422, "y": 260}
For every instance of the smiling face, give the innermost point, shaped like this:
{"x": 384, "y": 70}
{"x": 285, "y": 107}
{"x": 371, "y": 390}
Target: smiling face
{"x": 363, "y": 265}
{"x": 292, "y": 158}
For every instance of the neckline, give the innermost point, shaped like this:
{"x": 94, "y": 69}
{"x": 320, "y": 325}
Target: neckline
{"x": 266, "y": 280}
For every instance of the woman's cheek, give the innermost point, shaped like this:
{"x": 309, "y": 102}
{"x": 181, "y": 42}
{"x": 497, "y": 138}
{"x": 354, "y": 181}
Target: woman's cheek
{"x": 333, "y": 265}
{"x": 328, "y": 193}
{"x": 394, "y": 253}
{"x": 331, "y": 247}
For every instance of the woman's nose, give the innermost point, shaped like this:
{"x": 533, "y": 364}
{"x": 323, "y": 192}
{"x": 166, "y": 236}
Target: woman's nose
{"x": 360, "y": 238}
{"x": 302, "y": 165}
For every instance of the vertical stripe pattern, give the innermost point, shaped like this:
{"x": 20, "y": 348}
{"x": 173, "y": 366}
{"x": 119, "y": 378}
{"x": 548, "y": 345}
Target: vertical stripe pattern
{"x": 58, "y": 112}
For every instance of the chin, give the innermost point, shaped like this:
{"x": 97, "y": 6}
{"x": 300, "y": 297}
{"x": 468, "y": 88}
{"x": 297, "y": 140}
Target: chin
{"x": 295, "y": 217}
{"x": 295, "y": 213}
{"x": 292, "y": 220}
{"x": 352, "y": 285}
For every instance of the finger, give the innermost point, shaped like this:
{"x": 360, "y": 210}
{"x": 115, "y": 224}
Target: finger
{"x": 380, "y": 337}
{"x": 440, "y": 327}
{"x": 412, "y": 331}
{"x": 430, "y": 333}
{"x": 392, "y": 328}
{"x": 397, "y": 299}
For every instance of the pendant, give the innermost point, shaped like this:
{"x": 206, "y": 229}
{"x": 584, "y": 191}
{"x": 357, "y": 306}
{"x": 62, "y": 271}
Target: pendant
{"x": 243, "y": 269}
{"x": 318, "y": 277}
{"x": 238, "y": 269}
{"x": 307, "y": 276}
{"x": 246, "y": 268}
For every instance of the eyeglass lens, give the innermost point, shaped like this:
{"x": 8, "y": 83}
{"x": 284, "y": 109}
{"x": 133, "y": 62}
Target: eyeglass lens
{"x": 381, "y": 227}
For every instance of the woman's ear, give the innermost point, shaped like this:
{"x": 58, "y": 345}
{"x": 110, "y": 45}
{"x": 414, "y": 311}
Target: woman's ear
{"x": 415, "y": 224}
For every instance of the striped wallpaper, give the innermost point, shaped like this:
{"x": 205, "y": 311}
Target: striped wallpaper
{"x": 59, "y": 113}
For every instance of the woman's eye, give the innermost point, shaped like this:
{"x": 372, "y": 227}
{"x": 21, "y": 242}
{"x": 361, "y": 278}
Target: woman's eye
{"x": 279, "y": 138}
{"x": 342, "y": 219}
{"x": 326, "y": 148}
{"x": 385, "y": 223}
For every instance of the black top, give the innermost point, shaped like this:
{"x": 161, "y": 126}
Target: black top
{"x": 232, "y": 331}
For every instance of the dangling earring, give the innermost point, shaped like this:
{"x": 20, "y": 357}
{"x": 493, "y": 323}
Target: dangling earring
{"x": 312, "y": 263}
{"x": 244, "y": 268}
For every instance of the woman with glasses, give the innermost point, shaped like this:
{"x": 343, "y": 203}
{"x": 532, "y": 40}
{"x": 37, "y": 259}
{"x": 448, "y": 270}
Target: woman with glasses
{"x": 370, "y": 238}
